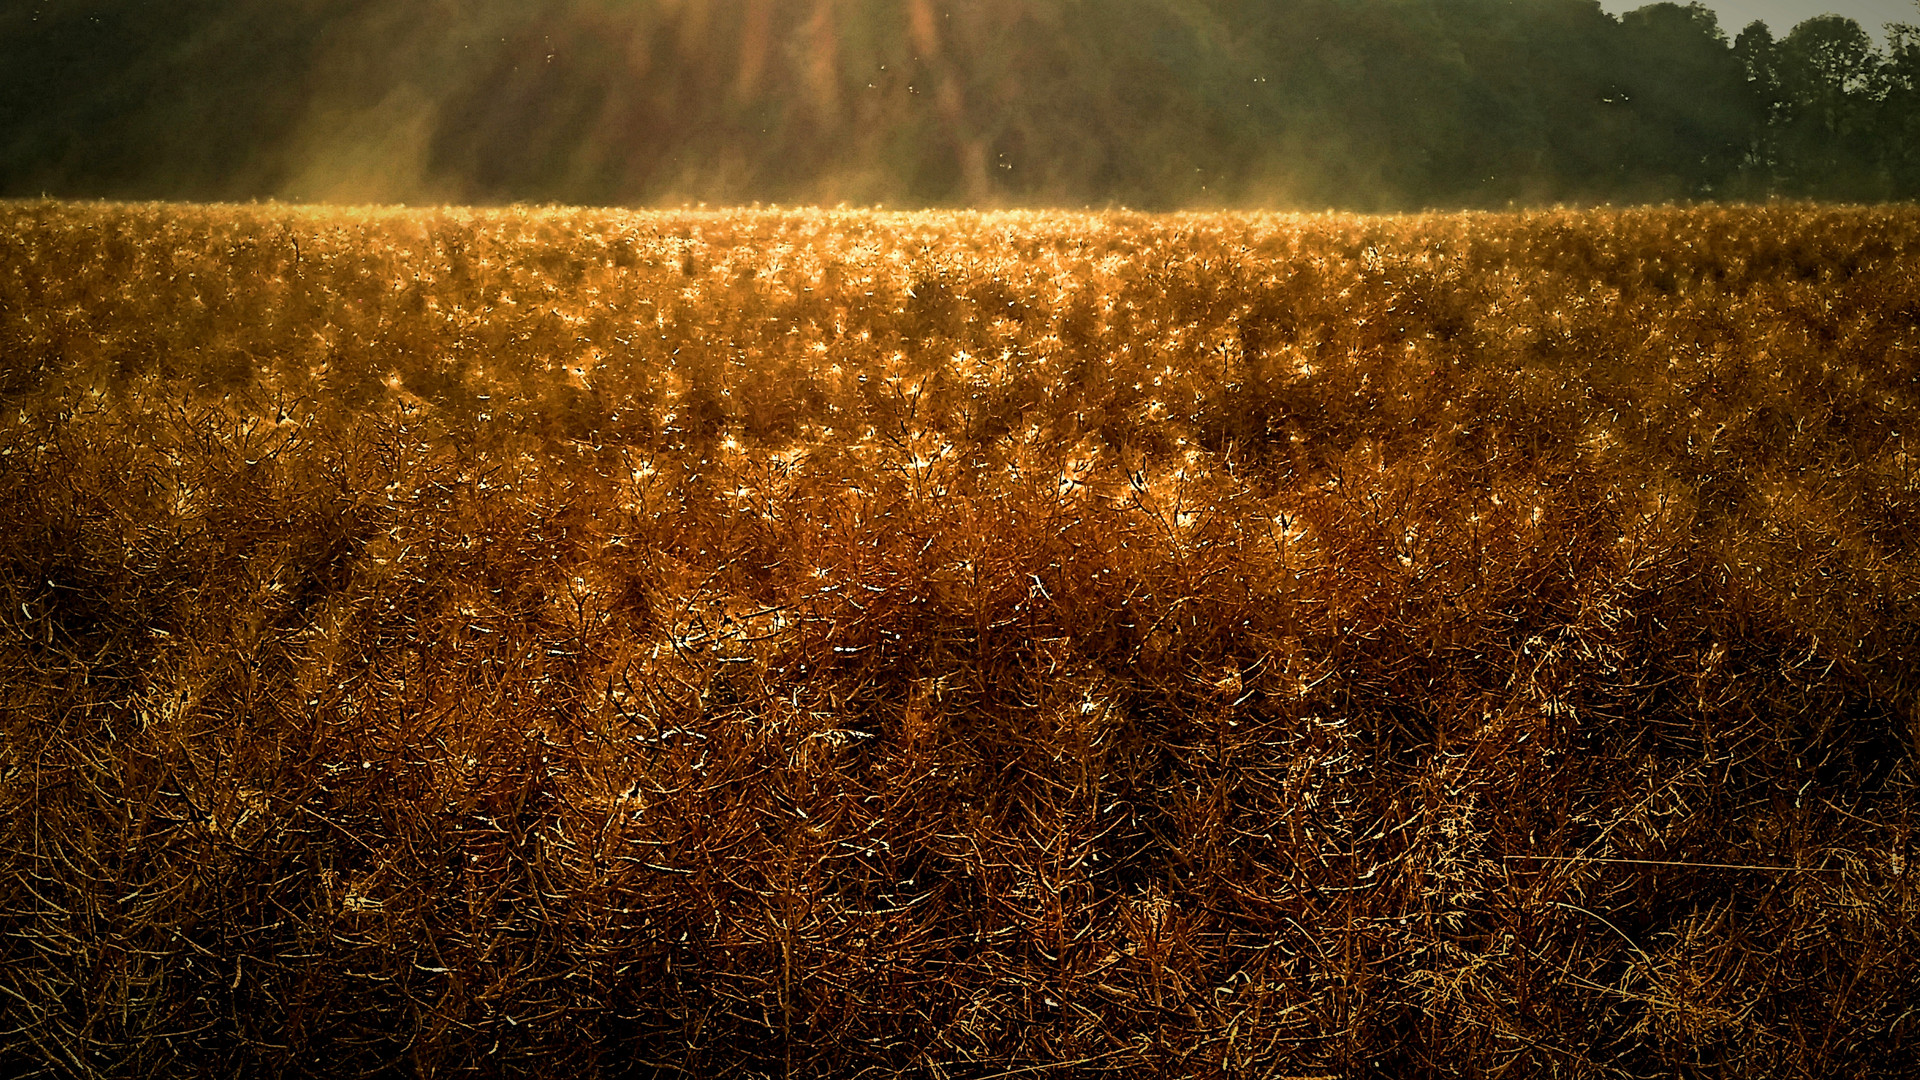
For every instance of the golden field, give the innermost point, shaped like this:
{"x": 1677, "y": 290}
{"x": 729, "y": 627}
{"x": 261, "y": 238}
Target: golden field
{"x": 837, "y": 643}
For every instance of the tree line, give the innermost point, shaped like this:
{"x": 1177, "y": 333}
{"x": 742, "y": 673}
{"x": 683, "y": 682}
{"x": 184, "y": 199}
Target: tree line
{"x": 1359, "y": 104}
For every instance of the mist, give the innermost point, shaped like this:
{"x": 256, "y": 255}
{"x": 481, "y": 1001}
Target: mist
{"x": 1153, "y": 104}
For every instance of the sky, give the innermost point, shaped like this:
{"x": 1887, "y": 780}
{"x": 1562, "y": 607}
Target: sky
{"x": 1783, "y": 15}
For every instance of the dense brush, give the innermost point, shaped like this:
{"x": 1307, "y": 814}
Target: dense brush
{"x": 827, "y": 644}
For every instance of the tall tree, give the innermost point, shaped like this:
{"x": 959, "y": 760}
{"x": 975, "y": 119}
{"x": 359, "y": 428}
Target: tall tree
{"x": 1831, "y": 86}
{"x": 1686, "y": 91}
{"x": 1898, "y": 134}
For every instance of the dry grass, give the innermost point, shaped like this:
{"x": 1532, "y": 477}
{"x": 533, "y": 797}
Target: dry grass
{"x": 842, "y": 644}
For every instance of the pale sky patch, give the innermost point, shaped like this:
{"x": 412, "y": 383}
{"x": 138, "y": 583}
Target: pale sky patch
{"x": 1781, "y": 16}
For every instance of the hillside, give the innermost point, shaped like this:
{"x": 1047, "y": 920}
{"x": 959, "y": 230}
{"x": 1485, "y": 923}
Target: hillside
{"x": 812, "y": 643}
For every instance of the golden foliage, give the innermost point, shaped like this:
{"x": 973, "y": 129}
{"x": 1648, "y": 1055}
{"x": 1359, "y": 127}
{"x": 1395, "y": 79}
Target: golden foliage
{"x": 808, "y": 642}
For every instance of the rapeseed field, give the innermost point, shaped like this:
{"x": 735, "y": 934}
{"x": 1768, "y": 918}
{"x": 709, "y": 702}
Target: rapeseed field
{"x": 839, "y": 643}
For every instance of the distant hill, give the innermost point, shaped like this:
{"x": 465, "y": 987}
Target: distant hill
{"x": 1361, "y": 104}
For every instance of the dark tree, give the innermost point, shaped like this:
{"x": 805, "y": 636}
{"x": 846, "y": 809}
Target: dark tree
{"x": 1898, "y": 134}
{"x": 1831, "y": 87}
{"x": 1686, "y": 91}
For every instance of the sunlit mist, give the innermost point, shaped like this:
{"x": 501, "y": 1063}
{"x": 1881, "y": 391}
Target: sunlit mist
{"x": 1365, "y": 105}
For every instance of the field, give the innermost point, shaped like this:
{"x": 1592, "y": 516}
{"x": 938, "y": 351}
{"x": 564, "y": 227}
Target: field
{"x": 835, "y": 643}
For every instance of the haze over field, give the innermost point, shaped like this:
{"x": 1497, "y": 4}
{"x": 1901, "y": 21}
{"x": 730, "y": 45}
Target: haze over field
{"x": 1369, "y": 105}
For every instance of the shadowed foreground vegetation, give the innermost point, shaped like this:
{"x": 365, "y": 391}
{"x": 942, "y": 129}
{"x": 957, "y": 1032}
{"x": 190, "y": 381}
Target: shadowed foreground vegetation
{"x": 826, "y": 644}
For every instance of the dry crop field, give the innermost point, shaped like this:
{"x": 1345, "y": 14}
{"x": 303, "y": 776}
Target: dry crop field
{"x": 829, "y": 643}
